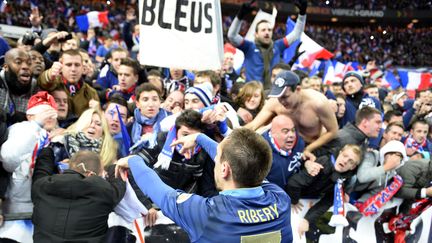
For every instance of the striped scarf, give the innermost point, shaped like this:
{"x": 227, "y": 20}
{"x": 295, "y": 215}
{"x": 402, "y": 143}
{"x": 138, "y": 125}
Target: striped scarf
{"x": 276, "y": 146}
{"x": 410, "y": 142}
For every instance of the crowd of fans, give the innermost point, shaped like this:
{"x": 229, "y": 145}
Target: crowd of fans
{"x": 375, "y": 5}
{"x": 396, "y": 45}
{"x": 391, "y": 45}
{"x": 62, "y": 92}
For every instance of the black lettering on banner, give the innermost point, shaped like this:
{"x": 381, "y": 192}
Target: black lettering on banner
{"x": 162, "y": 24}
{"x": 196, "y": 9}
{"x": 179, "y": 14}
{"x": 150, "y": 10}
{"x": 207, "y": 15}
{"x": 197, "y": 28}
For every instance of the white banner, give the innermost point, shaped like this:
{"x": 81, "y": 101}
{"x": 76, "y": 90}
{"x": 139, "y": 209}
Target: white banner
{"x": 181, "y": 34}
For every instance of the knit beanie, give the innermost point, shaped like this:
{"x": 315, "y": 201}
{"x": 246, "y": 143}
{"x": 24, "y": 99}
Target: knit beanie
{"x": 204, "y": 92}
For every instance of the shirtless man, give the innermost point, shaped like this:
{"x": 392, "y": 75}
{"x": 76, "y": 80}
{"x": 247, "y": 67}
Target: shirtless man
{"x": 314, "y": 119}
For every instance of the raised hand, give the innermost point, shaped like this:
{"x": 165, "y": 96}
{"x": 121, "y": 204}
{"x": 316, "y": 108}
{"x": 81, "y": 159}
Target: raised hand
{"x": 245, "y": 9}
{"x": 302, "y": 5}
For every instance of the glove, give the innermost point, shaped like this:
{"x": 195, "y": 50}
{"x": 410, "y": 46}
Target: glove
{"x": 297, "y": 54}
{"x": 302, "y": 5}
{"x": 245, "y": 9}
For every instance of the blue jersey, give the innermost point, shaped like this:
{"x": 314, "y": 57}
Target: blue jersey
{"x": 284, "y": 166}
{"x": 107, "y": 78}
{"x": 254, "y": 62}
{"x": 259, "y": 214}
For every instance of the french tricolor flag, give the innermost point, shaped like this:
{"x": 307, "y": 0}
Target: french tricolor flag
{"x": 312, "y": 49}
{"x": 92, "y": 19}
{"x": 415, "y": 80}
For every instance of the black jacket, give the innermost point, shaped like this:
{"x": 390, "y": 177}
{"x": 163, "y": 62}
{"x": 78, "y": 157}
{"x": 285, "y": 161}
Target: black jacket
{"x": 303, "y": 185}
{"x": 70, "y": 207}
{"x": 416, "y": 175}
{"x": 193, "y": 175}
{"x": 349, "y": 134}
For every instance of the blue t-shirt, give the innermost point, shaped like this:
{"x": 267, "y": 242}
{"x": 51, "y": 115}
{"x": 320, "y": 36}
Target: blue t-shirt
{"x": 254, "y": 62}
{"x": 107, "y": 78}
{"x": 284, "y": 166}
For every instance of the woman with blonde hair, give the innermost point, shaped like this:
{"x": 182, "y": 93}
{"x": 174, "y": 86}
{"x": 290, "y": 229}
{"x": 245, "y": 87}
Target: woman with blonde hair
{"x": 250, "y": 101}
{"x": 89, "y": 132}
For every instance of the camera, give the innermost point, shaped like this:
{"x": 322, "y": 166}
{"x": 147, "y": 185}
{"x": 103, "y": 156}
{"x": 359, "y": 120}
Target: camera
{"x": 29, "y": 38}
{"x": 68, "y": 37}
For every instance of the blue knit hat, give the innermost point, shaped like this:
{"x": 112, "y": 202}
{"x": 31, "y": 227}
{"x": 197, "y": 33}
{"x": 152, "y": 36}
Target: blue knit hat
{"x": 203, "y": 91}
{"x": 354, "y": 74}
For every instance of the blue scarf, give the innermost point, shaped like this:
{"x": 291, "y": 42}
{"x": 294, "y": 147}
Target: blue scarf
{"x": 141, "y": 121}
{"x": 165, "y": 156}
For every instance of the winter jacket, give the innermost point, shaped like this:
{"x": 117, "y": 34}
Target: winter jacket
{"x": 371, "y": 175}
{"x": 70, "y": 206}
{"x": 79, "y": 101}
{"x": 349, "y": 134}
{"x": 416, "y": 174}
{"x": 303, "y": 185}
{"x": 16, "y": 155}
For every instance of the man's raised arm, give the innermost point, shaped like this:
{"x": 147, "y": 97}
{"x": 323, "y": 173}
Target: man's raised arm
{"x": 233, "y": 32}
{"x": 265, "y": 115}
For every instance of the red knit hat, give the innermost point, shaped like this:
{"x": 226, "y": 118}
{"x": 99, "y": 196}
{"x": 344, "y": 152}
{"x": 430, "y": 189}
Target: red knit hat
{"x": 38, "y": 102}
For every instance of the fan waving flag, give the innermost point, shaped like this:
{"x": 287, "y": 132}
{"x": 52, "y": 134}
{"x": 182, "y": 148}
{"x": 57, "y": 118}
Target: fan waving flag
{"x": 312, "y": 49}
{"x": 92, "y": 19}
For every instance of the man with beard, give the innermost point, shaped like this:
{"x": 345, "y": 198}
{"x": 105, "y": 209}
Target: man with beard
{"x": 38, "y": 64}
{"x": 16, "y": 85}
{"x": 263, "y": 54}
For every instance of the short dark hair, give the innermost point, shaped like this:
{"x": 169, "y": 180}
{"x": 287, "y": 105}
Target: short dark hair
{"x": 301, "y": 74}
{"x": 282, "y": 66}
{"x": 418, "y": 121}
{"x": 191, "y": 119}
{"x": 132, "y": 64}
{"x": 394, "y": 124}
{"x": 249, "y": 156}
{"x": 260, "y": 22}
{"x": 146, "y": 87}
{"x": 391, "y": 113}
{"x": 367, "y": 113}
{"x": 90, "y": 162}
{"x": 117, "y": 98}
{"x": 214, "y": 78}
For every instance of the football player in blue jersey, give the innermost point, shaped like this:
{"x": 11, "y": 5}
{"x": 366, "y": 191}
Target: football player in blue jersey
{"x": 246, "y": 210}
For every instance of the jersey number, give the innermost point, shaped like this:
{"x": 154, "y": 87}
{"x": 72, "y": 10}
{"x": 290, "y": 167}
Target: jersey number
{"x": 270, "y": 237}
